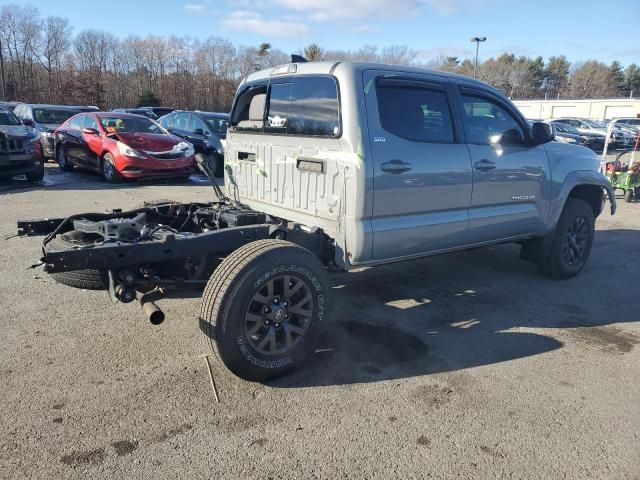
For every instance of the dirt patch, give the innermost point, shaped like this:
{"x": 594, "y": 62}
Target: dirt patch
{"x": 423, "y": 441}
{"x": 91, "y": 457}
{"x": 435, "y": 396}
{"x": 172, "y": 433}
{"x": 261, "y": 442}
{"x": 124, "y": 447}
{"x": 609, "y": 339}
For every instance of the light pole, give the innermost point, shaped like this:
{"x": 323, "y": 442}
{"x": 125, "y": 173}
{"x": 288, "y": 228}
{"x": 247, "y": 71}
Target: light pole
{"x": 477, "y": 40}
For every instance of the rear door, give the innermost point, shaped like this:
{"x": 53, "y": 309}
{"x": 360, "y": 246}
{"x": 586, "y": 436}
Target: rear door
{"x": 72, "y": 140}
{"x": 511, "y": 182}
{"x": 422, "y": 179}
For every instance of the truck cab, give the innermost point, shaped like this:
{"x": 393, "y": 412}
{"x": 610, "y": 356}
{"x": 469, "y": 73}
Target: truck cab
{"x": 394, "y": 162}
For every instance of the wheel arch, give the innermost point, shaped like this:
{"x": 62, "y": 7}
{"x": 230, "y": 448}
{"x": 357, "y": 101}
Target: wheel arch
{"x": 587, "y": 185}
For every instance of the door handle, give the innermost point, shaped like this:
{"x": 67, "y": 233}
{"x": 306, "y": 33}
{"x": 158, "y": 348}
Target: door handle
{"x": 484, "y": 165}
{"x": 396, "y": 166}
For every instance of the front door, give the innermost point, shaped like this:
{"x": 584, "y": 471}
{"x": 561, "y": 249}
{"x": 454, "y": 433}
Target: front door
{"x": 422, "y": 169}
{"x": 511, "y": 180}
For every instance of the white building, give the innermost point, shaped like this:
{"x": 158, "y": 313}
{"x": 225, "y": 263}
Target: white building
{"x": 596, "y": 109}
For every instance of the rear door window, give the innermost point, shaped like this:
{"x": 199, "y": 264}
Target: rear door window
{"x": 314, "y": 107}
{"x": 415, "y": 111}
{"x": 278, "y": 113}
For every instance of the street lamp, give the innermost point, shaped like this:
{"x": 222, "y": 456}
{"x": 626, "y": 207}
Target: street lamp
{"x": 477, "y": 40}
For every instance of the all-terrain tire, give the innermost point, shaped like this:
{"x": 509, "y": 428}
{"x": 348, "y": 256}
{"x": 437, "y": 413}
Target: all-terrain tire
{"x": 572, "y": 237}
{"x": 87, "y": 279}
{"x": 230, "y": 297}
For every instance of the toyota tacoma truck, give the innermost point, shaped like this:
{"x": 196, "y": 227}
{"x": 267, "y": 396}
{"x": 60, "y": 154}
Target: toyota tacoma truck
{"x": 328, "y": 167}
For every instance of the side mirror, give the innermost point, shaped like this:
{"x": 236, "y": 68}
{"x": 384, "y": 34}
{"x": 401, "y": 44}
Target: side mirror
{"x": 27, "y": 122}
{"x": 542, "y": 132}
{"x": 511, "y": 137}
{"x": 90, "y": 131}
{"x": 198, "y": 131}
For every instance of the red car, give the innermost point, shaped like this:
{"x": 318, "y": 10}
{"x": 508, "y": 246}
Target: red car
{"x": 122, "y": 146}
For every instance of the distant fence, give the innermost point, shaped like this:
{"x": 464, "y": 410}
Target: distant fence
{"x": 597, "y": 109}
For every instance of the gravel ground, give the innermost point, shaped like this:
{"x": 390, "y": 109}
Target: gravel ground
{"x": 469, "y": 365}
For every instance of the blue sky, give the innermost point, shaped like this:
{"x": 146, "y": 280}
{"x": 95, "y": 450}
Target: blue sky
{"x": 582, "y": 30}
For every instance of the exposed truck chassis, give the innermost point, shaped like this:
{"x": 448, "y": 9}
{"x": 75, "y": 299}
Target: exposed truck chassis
{"x": 168, "y": 246}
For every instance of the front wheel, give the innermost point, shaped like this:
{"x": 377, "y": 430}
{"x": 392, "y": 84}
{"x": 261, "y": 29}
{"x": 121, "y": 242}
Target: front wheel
{"x": 36, "y": 176}
{"x": 264, "y": 308}
{"x": 109, "y": 171}
{"x": 572, "y": 241}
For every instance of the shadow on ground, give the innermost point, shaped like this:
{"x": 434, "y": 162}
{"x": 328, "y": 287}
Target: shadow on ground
{"x": 469, "y": 309}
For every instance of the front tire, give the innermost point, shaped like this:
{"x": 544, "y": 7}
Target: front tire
{"x": 109, "y": 171}
{"x": 572, "y": 241}
{"x": 265, "y": 307}
{"x": 36, "y": 176}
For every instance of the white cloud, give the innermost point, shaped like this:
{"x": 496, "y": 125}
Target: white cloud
{"x": 194, "y": 8}
{"x": 341, "y": 9}
{"x": 444, "y": 7}
{"x": 432, "y": 53}
{"x": 252, "y": 22}
{"x": 365, "y": 29}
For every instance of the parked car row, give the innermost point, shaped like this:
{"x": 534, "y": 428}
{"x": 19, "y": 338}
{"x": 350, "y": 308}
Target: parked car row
{"x": 121, "y": 144}
{"x": 593, "y": 133}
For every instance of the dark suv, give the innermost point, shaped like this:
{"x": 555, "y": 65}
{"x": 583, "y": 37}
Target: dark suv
{"x": 20, "y": 151}
{"x": 206, "y": 131}
{"x": 45, "y": 119}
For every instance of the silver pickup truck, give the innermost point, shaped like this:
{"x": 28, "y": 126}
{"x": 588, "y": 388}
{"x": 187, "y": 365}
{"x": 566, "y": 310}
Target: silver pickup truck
{"x": 331, "y": 166}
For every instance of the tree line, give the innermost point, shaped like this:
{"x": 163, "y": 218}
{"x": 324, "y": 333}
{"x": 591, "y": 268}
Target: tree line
{"x": 43, "y": 61}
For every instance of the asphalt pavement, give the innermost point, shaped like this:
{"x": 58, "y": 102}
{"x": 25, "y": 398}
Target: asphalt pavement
{"x": 468, "y": 365}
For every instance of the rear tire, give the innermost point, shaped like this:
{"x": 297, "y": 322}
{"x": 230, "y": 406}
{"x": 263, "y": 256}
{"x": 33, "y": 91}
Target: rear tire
{"x": 572, "y": 241}
{"x": 63, "y": 160}
{"x": 264, "y": 308}
{"x": 87, "y": 279}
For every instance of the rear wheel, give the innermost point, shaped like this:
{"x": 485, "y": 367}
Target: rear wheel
{"x": 88, "y": 279}
{"x": 109, "y": 171}
{"x": 572, "y": 241}
{"x": 264, "y": 308}
{"x": 63, "y": 160}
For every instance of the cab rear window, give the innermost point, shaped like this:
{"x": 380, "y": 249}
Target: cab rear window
{"x": 301, "y": 106}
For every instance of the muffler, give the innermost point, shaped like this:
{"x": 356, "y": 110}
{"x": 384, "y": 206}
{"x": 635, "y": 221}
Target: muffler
{"x": 153, "y": 313}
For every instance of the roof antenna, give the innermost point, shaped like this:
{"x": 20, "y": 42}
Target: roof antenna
{"x": 298, "y": 58}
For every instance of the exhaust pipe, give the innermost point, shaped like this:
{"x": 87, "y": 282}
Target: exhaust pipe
{"x": 153, "y": 313}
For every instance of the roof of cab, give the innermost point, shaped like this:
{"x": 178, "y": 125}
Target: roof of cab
{"x": 324, "y": 68}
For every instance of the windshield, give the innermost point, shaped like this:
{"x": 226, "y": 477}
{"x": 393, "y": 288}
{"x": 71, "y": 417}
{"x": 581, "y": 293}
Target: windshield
{"x": 42, "y": 115}
{"x": 217, "y": 124}
{"x": 8, "y": 118}
{"x": 591, "y": 124}
{"x": 563, "y": 127}
{"x": 131, "y": 124}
